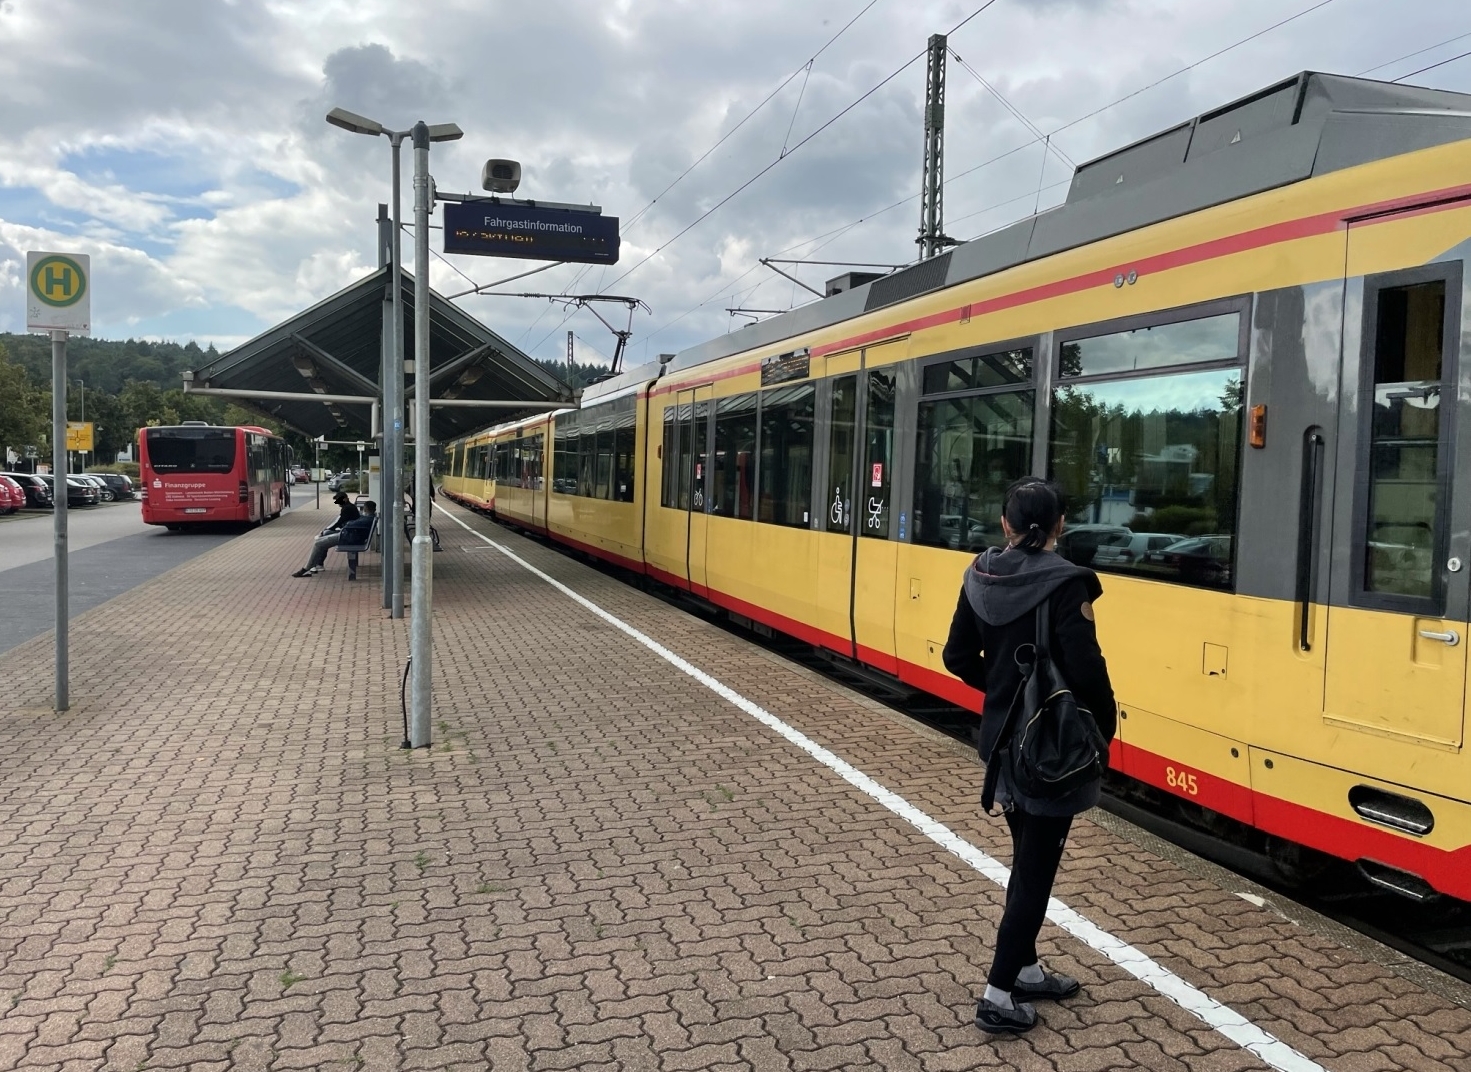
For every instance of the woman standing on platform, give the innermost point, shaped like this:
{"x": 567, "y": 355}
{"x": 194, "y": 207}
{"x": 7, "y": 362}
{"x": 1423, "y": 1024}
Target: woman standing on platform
{"x": 995, "y": 619}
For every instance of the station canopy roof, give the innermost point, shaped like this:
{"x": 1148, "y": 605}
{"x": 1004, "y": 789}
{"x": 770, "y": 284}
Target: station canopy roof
{"x": 334, "y": 349}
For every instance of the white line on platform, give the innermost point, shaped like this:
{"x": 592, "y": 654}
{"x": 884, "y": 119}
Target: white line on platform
{"x": 1221, "y": 1018}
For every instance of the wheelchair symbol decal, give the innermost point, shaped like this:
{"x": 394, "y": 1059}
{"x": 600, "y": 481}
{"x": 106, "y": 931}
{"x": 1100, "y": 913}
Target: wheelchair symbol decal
{"x": 837, "y": 514}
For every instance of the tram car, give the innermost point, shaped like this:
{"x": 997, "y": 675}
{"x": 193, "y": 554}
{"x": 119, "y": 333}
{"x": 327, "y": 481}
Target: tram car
{"x": 1236, "y": 346}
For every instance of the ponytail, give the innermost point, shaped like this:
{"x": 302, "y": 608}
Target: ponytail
{"x": 1032, "y": 509}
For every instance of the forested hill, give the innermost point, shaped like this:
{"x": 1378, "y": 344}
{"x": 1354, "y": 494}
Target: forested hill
{"x": 108, "y": 364}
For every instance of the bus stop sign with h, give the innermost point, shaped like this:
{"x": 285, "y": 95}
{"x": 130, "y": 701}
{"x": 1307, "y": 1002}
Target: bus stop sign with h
{"x": 59, "y": 302}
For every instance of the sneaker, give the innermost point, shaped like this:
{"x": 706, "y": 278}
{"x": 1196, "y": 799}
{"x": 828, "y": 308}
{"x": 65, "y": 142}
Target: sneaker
{"x": 352, "y": 576}
{"x": 1051, "y": 988}
{"x": 995, "y": 1020}
{"x": 302, "y": 573}
{"x": 315, "y": 569}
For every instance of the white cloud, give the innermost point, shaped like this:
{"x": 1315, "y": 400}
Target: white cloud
{"x": 184, "y": 142}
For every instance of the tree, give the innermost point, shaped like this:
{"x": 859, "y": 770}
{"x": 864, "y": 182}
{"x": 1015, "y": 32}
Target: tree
{"x": 23, "y": 409}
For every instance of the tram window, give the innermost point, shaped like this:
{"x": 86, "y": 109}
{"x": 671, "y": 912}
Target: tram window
{"x": 838, "y": 507}
{"x": 686, "y": 459}
{"x": 671, "y": 457}
{"x": 699, "y": 477}
{"x": 974, "y": 373}
{"x": 604, "y": 485}
{"x": 735, "y": 457}
{"x": 623, "y": 460}
{"x": 1185, "y": 342}
{"x": 875, "y": 478}
{"x": 564, "y": 470}
{"x": 1148, "y": 466}
{"x": 785, "y": 472}
{"x": 970, "y": 449}
{"x": 1404, "y": 441}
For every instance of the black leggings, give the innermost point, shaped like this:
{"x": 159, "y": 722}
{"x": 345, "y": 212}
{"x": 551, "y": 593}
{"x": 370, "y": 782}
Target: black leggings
{"x": 1037, "y": 842}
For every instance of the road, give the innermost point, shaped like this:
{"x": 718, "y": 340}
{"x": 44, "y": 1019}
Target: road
{"x": 110, "y": 551}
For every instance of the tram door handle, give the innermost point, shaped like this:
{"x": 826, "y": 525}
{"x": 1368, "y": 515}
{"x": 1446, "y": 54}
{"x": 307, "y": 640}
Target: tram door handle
{"x": 1450, "y": 637}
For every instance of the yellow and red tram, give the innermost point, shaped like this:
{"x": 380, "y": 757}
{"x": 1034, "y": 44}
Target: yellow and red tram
{"x": 1236, "y": 346}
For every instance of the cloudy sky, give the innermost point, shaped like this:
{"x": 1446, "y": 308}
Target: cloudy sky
{"x": 181, "y": 142}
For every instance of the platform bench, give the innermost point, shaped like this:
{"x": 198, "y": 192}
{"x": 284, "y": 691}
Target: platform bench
{"x": 352, "y": 550}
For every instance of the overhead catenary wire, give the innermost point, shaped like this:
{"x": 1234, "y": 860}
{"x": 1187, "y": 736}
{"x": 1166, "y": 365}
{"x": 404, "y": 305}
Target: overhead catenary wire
{"x": 1013, "y": 109}
{"x": 749, "y": 182}
{"x": 1433, "y": 66}
{"x": 1412, "y": 55}
{"x": 1191, "y": 66}
{"x": 745, "y": 185}
{"x": 1020, "y": 148}
{"x": 806, "y": 66}
{"x": 844, "y": 228}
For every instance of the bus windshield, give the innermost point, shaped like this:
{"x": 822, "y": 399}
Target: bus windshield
{"x": 191, "y": 450}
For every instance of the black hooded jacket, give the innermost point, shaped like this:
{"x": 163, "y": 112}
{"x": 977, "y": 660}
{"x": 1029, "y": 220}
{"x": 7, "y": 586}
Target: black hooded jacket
{"x": 349, "y": 512}
{"x": 997, "y": 615}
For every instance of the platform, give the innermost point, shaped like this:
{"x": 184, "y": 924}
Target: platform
{"x": 638, "y": 842}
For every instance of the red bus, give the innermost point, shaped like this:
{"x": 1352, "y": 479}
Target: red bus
{"x": 197, "y": 472}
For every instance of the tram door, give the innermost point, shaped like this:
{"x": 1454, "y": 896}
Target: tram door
{"x": 856, "y": 562}
{"x": 1396, "y": 651}
{"x": 537, "y": 481}
{"x": 835, "y": 518}
{"x": 696, "y": 412}
{"x": 874, "y": 550}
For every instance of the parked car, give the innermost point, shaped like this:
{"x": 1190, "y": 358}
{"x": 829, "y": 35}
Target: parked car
{"x": 1198, "y": 560}
{"x": 78, "y": 492}
{"x": 119, "y": 485}
{"x": 104, "y": 493}
{"x": 37, "y": 491}
{"x": 12, "y": 496}
{"x": 1127, "y": 550}
{"x": 1079, "y": 543}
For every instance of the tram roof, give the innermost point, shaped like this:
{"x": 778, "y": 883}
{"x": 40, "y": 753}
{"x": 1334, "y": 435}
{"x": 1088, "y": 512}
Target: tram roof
{"x": 334, "y": 348}
{"x": 1308, "y": 125}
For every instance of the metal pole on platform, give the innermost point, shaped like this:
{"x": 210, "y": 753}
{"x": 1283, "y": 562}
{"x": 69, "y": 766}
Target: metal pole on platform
{"x": 58, "y": 481}
{"x": 393, "y": 406}
{"x": 421, "y": 635}
{"x": 392, "y": 386}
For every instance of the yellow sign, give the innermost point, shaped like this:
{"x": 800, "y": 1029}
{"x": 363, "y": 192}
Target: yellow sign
{"x": 79, "y": 435}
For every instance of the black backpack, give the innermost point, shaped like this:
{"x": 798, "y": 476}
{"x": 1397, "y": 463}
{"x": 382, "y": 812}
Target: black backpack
{"x": 1050, "y": 744}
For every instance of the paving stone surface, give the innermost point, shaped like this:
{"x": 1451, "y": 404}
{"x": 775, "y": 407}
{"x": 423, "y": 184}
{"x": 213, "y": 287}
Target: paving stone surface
{"x": 220, "y": 858}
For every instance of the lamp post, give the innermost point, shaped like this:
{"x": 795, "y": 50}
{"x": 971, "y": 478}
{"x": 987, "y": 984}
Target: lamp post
{"x": 392, "y": 374}
{"x": 420, "y": 633}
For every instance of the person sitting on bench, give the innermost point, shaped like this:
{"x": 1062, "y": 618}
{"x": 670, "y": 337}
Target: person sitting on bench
{"x": 355, "y": 534}
{"x": 329, "y": 536}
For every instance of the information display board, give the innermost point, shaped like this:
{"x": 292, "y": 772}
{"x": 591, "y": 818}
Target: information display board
{"x": 497, "y": 229}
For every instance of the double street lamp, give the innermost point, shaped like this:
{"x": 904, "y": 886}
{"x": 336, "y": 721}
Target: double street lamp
{"x": 393, "y": 364}
{"x": 422, "y": 546}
